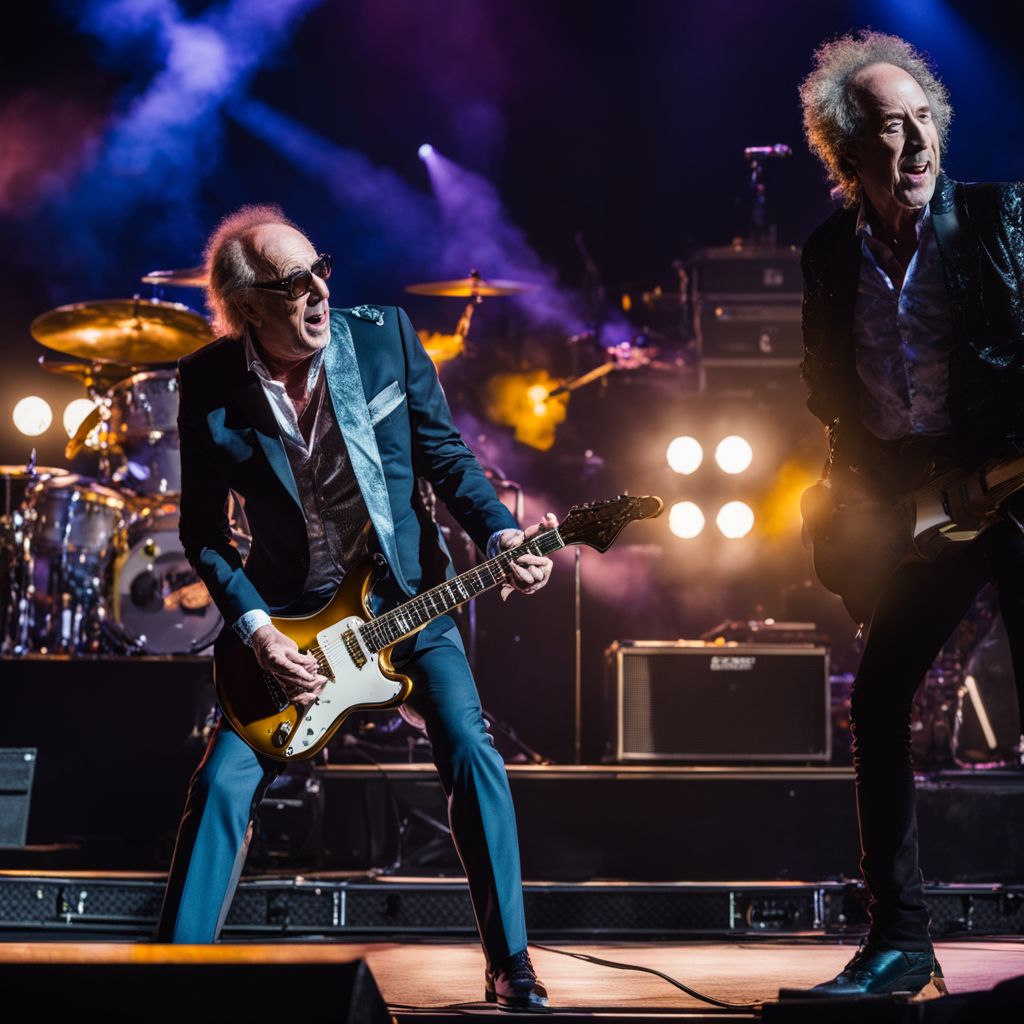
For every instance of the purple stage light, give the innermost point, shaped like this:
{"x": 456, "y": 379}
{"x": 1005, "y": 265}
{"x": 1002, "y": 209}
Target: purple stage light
{"x": 425, "y": 151}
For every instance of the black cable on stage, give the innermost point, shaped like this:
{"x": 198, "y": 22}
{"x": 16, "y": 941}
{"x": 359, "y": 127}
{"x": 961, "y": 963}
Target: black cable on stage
{"x": 692, "y": 992}
{"x": 587, "y": 958}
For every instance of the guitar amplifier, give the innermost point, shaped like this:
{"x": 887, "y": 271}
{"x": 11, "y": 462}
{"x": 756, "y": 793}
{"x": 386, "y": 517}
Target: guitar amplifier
{"x": 690, "y": 701}
{"x": 17, "y": 770}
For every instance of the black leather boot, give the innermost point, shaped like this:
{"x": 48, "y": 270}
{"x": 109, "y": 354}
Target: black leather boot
{"x": 512, "y": 983}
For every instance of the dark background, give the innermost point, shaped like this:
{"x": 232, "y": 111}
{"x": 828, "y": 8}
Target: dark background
{"x": 128, "y": 128}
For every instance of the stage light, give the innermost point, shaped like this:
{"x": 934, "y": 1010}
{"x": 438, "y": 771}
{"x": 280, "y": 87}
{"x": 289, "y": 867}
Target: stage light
{"x": 425, "y": 151}
{"x": 76, "y": 411}
{"x": 735, "y": 519}
{"x": 685, "y": 455}
{"x": 685, "y": 520}
{"x": 733, "y": 454}
{"x": 33, "y": 415}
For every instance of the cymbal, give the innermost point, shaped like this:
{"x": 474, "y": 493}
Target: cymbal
{"x": 22, "y": 472}
{"x": 102, "y": 374}
{"x": 123, "y": 330}
{"x": 189, "y": 277}
{"x": 470, "y": 287}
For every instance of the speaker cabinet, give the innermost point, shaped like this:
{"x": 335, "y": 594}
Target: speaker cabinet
{"x": 689, "y": 701}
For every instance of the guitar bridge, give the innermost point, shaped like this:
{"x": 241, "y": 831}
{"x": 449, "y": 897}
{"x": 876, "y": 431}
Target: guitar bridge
{"x": 355, "y": 652}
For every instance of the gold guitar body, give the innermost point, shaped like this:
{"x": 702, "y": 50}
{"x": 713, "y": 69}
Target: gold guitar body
{"x": 359, "y": 678}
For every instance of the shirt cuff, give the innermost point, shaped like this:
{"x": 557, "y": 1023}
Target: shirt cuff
{"x": 494, "y": 541}
{"x": 247, "y": 624}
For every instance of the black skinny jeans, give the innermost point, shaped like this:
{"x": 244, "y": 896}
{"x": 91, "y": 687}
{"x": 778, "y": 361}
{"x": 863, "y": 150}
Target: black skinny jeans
{"x": 919, "y": 609}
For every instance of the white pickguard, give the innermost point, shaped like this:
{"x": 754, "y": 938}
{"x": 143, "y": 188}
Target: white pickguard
{"x": 349, "y": 687}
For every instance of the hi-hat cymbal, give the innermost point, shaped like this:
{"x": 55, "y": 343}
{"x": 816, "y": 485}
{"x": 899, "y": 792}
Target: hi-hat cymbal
{"x": 189, "y": 277}
{"x": 470, "y": 287}
{"x": 123, "y": 330}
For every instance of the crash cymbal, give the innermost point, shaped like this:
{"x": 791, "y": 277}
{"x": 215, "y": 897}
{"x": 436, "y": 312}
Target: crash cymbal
{"x": 472, "y": 286}
{"x": 189, "y": 277}
{"x": 123, "y": 330}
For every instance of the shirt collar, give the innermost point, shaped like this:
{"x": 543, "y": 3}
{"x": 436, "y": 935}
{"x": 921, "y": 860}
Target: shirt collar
{"x": 864, "y": 228}
{"x": 257, "y": 366}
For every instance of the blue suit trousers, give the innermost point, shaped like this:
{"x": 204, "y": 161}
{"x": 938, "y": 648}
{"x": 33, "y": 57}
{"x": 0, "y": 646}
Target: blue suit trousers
{"x": 231, "y": 780}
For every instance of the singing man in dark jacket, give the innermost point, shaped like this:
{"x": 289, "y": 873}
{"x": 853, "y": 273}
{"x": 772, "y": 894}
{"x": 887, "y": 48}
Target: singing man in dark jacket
{"x": 914, "y": 345}
{"x": 322, "y": 420}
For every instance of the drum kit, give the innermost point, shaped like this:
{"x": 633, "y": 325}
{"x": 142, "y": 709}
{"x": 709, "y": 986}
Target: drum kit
{"x": 93, "y": 564}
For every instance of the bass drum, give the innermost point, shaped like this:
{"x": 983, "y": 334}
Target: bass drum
{"x": 159, "y": 600}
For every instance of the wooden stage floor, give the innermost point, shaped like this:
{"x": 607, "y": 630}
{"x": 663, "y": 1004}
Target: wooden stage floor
{"x": 431, "y": 976}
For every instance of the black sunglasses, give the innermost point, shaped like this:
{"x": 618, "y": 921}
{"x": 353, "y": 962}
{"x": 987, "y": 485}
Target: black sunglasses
{"x": 299, "y": 282}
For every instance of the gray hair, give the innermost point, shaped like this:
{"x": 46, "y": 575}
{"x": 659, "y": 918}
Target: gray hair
{"x": 832, "y": 117}
{"x": 233, "y": 264}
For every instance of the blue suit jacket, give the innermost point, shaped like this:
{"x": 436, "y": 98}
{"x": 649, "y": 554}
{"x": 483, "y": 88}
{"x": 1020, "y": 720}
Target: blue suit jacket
{"x": 397, "y": 427}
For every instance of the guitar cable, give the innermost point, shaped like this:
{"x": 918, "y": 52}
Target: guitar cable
{"x": 472, "y": 1007}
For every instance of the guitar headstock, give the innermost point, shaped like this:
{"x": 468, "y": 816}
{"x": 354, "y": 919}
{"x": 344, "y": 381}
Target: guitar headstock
{"x": 598, "y": 523}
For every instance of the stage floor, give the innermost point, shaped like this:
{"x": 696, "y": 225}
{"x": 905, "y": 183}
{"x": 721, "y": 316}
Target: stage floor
{"x": 432, "y": 976}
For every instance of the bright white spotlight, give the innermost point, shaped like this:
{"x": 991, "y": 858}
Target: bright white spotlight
{"x": 685, "y": 520}
{"x": 33, "y": 415}
{"x": 733, "y": 454}
{"x": 685, "y": 455}
{"x": 425, "y": 151}
{"x": 75, "y": 412}
{"x": 735, "y": 519}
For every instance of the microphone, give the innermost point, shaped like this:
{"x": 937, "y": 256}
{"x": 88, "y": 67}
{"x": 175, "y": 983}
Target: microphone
{"x": 766, "y": 152}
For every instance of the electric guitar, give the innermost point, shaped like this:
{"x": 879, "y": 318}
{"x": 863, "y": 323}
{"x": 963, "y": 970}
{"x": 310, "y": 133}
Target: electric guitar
{"x": 353, "y": 648}
{"x": 859, "y": 538}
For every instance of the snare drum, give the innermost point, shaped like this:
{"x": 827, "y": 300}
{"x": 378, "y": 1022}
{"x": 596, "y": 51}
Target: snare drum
{"x": 75, "y": 516}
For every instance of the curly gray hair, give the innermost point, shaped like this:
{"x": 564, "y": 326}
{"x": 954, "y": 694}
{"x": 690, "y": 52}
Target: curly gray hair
{"x": 232, "y": 263}
{"x": 832, "y": 117}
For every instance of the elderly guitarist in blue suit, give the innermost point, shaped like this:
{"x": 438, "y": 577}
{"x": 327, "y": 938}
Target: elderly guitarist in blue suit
{"x": 322, "y": 420}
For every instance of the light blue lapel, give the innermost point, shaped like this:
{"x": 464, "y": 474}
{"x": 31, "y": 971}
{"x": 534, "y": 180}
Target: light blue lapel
{"x": 346, "y": 389}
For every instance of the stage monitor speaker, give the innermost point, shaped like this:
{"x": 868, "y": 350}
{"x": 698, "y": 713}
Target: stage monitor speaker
{"x": 211, "y": 988}
{"x": 690, "y": 701}
{"x": 17, "y": 770}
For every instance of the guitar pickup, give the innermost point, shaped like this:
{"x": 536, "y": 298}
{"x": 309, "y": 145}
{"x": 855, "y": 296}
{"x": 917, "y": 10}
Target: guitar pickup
{"x": 355, "y": 652}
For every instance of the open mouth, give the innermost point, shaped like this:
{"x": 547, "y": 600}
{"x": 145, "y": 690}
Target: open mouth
{"x": 915, "y": 169}
{"x": 316, "y": 319}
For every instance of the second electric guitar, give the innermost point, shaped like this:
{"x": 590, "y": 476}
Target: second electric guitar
{"x": 354, "y": 649}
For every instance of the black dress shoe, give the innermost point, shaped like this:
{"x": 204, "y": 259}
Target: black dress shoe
{"x": 512, "y": 983}
{"x": 877, "y": 969}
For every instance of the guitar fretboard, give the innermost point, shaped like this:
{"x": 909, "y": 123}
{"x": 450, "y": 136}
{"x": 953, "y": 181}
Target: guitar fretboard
{"x": 391, "y": 626}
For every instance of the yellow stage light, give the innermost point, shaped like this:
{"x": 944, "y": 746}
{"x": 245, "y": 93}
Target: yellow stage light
{"x": 733, "y": 454}
{"x": 33, "y": 416}
{"x": 76, "y": 411}
{"x": 735, "y": 519}
{"x": 685, "y": 520}
{"x": 685, "y": 455}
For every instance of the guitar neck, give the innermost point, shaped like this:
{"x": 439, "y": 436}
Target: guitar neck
{"x": 394, "y": 625}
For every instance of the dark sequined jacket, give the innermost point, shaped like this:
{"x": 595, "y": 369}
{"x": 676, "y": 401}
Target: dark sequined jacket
{"x": 980, "y": 233}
